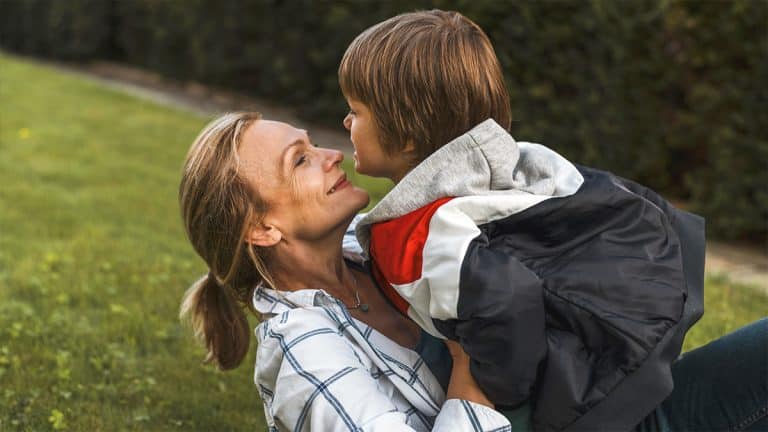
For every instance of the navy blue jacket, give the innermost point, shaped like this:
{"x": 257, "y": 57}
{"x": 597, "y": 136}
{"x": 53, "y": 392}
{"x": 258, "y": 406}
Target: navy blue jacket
{"x": 567, "y": 286}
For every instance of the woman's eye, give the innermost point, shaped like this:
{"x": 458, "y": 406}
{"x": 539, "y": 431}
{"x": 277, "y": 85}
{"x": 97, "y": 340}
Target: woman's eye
{"x": 301, "y": 160}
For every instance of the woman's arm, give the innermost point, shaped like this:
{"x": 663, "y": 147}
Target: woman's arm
{"x": 463, "y": 384}
{"x": 311, "y": 378}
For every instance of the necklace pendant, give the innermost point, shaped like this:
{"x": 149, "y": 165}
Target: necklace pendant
{"x": 364, "y": 307}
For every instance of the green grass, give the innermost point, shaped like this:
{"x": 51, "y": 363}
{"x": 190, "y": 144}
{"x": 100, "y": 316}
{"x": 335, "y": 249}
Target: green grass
{"x": 93, "y": 263}
{"x": 727, "y": 306}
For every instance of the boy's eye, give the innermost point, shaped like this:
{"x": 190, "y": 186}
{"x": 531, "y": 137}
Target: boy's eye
{"x": 352, "y": 112}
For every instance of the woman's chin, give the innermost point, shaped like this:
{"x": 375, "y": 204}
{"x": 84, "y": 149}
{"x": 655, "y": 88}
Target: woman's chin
{"x": 361, "y": 198}
{"x": 366, "y": 201}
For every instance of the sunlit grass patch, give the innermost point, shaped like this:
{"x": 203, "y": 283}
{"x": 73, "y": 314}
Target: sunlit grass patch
{"x": 93, "y": 262}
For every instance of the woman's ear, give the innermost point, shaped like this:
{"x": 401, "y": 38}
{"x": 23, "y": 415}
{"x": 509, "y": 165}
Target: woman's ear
{"x": 263, "y": 235}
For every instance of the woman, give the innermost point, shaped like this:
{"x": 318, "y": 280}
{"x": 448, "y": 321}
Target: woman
{"x": 265, "y": 209}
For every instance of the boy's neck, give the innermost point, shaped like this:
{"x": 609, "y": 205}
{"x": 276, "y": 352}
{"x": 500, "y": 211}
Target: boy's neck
{"x": 400, "y": 172}
{"x": 402, "y": 162}
{"x": 397, "y": 177}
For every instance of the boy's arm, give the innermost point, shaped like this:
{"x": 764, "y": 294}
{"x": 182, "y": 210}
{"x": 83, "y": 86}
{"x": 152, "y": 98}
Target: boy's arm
{"x": 691, "y": 234}
{"x": 446, "y": 274}
{"x": 499, "y": 323}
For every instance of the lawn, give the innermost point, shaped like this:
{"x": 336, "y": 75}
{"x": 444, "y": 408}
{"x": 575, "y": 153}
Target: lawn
{"x": 93, "y": 263}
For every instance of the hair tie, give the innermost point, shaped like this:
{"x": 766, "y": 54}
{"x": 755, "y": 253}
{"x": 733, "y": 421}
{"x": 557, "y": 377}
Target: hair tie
{"x": 213, "y": 278}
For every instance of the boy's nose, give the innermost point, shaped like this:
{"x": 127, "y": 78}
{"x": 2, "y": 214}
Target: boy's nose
{"x": 347, "y": 121}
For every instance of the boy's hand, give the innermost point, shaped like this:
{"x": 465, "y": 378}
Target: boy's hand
{"x": 463, "y": 384}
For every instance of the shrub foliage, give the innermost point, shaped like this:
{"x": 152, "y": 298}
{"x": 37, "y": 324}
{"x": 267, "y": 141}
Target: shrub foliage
{"x": 666, "y": 92}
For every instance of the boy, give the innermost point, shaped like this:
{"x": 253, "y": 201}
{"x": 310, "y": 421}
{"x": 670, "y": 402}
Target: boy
{"x": 566, "y": 285}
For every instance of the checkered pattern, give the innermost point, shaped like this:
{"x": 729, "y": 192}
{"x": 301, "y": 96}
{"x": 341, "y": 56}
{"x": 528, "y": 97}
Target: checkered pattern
{"x": 319, "y": 369}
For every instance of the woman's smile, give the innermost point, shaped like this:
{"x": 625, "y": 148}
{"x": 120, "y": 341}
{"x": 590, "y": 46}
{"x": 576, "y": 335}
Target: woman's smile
{"x": 341, "y": 183}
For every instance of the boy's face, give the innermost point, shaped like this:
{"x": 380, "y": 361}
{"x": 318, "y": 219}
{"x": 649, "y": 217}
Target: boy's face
{"x": 370, "y": 157}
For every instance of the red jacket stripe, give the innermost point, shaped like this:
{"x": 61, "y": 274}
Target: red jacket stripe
{"x": 399, "y": 302}
{"x": 397, "y": 245}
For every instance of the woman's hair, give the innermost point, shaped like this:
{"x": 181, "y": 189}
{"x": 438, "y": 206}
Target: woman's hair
{"x": 217, "y": 207}
{"x": 428, "y": 77}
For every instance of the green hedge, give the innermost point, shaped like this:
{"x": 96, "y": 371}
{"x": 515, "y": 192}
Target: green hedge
{"x": 71, "y": 30}
{"x": 665, "y": 92}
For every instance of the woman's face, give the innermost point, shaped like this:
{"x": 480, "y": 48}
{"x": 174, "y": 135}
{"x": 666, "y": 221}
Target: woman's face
{"x": 306, "y": 191}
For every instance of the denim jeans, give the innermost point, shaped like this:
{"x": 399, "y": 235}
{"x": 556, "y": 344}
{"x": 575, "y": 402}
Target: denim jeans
{"x": 722, "y": 386}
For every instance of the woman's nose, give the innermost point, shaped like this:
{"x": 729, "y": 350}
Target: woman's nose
{"x": 347, "y": 122}
{"x": 332, "y": 158}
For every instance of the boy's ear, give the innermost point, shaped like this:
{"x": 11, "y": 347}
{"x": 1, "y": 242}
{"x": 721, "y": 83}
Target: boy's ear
{"x": 263, "y": 235}
{"x": 410, "y": 147}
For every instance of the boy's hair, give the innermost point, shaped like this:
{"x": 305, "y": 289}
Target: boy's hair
{"x": 427, "y": 77}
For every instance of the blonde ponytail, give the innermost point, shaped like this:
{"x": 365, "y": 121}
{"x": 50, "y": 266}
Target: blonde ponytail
{"x": 218, "y": 322}
{"x": 217, "y": 207}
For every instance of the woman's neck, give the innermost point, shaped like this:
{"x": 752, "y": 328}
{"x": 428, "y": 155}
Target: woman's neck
{"x": 299, "y": 265}
{"x": 320, "y": 265}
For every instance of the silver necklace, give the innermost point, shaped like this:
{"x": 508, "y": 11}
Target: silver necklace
{"x": 359, "y": 305}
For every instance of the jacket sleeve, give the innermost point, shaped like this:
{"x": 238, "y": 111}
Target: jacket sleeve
{"x": 500, "y": 321}
{"x": 691, "y": 233}
{"x": 314, "y": 380}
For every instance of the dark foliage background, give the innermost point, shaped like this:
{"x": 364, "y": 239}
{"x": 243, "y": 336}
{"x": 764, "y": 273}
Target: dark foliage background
{"x": 669, "y": 93}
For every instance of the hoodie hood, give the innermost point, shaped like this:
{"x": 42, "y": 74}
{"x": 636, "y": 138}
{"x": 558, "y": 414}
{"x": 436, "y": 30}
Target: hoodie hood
{"x": 484, "y": 161}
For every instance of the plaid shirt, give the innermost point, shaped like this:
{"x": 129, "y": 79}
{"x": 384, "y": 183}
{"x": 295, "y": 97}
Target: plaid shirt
{"x": 319, "y": 369}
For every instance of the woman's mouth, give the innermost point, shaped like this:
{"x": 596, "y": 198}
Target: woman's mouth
{"x": 341, "y": 183}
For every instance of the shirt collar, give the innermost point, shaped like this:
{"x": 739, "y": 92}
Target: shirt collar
{"x": 272, "y": 302}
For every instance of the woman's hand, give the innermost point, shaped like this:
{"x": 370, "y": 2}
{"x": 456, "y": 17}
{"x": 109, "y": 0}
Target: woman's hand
{"x": 463, "y": 384}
